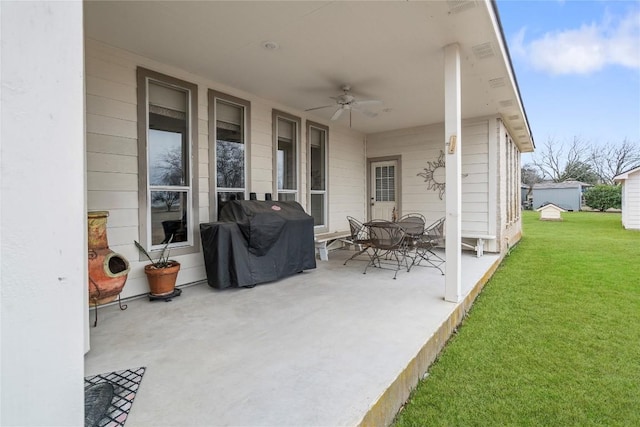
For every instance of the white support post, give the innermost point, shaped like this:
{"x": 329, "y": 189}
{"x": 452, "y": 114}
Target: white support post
{"x": 453, "y": 192}
{"x": 43, "y": 219}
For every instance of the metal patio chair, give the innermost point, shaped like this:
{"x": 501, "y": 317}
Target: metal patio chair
{"x": 413, "y": 225}
{"x": 432, "y": 237}
{"x": 359, "y": 237}
{"x": 388, "y": 244}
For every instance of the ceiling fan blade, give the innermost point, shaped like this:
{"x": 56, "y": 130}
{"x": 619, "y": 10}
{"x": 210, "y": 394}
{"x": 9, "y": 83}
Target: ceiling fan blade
{"x": 319, "y": 108}
{"x": 337, "y": 114}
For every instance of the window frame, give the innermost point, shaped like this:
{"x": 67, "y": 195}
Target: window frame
{"x": 192, "y": 244}
{"x": 213, "y": 97}
{"x": 297, "y": 121}
{"x": 512, "y": 161}
{"x": 309, "y": 125}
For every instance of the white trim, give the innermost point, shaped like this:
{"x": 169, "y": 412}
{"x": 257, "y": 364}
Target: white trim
{"x": 325, "y": 130}
{"x": 453, "y": 191}
{"x": 213, "y": 97}
{"x": 297, "y": 121}
{"x": 626, "y": 174}
{"x": 492, "y": 196}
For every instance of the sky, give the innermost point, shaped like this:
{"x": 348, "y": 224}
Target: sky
{"x": 578, "y": 68}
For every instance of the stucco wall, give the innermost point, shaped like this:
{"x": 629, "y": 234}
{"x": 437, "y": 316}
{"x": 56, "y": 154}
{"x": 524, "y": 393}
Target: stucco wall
{"x": 112, "y": 174}
{"x": 42, "y": 218}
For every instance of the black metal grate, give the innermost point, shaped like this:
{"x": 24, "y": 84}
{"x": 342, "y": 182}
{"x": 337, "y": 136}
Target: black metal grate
{"x": 125, "y": 384}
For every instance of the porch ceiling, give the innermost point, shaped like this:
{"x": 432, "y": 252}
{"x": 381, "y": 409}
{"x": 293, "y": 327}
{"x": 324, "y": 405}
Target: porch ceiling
{"x": 390, "y": 51}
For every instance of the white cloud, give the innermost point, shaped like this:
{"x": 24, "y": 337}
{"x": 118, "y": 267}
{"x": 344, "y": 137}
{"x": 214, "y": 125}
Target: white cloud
{"x": 584, "y": 50}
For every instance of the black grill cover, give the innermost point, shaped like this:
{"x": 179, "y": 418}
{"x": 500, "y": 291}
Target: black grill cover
{"x": 260, "y": 241}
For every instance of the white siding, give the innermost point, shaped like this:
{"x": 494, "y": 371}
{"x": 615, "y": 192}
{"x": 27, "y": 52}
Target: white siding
{"x": 112, "y": 162}
{"x": 631, "y": 202}
{"x": 485, "y": 181}
{"x": 475, "y": 177}
{"x": 420, "y": 145}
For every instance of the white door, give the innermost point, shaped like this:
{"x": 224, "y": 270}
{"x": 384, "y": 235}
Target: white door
{"x": 383, "y": 189}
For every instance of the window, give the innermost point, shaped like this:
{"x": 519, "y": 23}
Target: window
{"x": 386, "y": 183}
{"x": 317, "y": 137}
{"x": 513, "y": 180}
{"x": 286, "y": 142}
{"x": 166, "y": 158}
{"x": 229, "y": 118}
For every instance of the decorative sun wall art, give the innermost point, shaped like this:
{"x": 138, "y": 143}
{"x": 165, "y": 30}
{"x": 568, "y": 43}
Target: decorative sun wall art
{"x": 434, "y": 175}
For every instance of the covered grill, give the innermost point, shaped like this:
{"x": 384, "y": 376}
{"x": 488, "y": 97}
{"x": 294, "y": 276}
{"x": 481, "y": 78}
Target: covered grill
{"x": 257, "y": 242}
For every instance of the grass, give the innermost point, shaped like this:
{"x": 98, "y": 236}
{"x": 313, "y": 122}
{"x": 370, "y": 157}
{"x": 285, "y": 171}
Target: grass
{"x": 553, "y": 339}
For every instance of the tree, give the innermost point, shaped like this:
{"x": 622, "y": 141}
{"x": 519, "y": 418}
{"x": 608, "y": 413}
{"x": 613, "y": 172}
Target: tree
{"x": 613, "y": 159}
{"x": 579, "y": 171}
{"x": 554, "y": 158}
{"x": 230, "y": 164}
{"x": 172, "y": 167}
{"x": 603, "y": 197}
{"x": 169, "y": 198}
{"x": 530, "y": 176}
{"x": 171, "y": 173}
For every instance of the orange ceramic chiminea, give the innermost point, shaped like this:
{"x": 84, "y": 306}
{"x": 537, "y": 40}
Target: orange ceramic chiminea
{"x": 107, "y": 270}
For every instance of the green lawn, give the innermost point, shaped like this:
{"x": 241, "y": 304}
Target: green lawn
{"x": 553, "y": 339}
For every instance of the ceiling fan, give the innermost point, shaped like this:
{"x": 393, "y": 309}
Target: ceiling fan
{"x": 347, "y": 101}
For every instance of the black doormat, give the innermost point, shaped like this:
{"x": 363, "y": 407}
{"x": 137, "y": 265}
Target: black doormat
{"x": 124, "y": 385}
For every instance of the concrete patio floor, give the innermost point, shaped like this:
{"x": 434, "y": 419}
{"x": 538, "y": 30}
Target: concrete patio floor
{"x": 327, "y": 347}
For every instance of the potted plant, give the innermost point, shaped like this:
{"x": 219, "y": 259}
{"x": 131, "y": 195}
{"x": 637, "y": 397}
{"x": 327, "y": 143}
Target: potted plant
{"x": 161, "y": 273}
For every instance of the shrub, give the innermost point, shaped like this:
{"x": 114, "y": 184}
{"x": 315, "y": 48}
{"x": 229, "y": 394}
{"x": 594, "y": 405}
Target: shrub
{"x": 603, "y": 197}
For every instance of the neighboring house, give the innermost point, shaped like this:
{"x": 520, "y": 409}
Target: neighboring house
{"x": 525, "y": 197}
{"x": 565, "y": 194}
{"x": 131, "y": 107}
{"x": 630, "y": 182}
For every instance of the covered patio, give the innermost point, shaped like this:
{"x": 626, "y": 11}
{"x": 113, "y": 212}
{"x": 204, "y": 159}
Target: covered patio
{"x": 329, "y": 346}
{"x": 88, "y": 83}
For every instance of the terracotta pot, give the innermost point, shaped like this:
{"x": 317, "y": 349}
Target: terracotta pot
{"x": 162, "y": 281}
{"x": 107, "y": 270}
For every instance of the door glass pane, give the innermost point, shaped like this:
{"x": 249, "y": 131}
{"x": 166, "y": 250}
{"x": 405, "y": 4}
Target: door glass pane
{"x": 168, "y": 216}
{"x": 385, "y": 184}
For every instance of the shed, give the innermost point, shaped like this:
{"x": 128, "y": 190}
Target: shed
{"x": 565, "y": 194}
{"x": 630, "y": 182}
{"x": 550, "y": 212}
